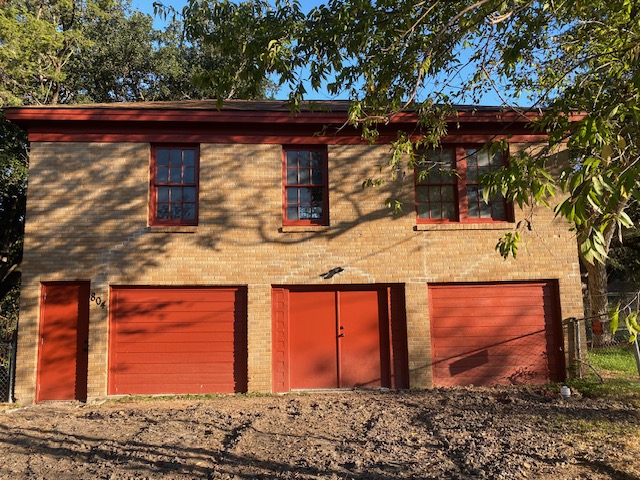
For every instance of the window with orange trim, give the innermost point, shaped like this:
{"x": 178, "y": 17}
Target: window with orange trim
{"x": 174, "y": 185}
{"x": 447, "y": 187}
{"x": 305, "y": 186}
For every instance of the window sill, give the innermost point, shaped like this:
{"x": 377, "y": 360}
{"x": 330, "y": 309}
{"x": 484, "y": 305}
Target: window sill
{"x": 303, "y": 228}
{"x": 430, "y": 227}
{"x": 172, "y": 229}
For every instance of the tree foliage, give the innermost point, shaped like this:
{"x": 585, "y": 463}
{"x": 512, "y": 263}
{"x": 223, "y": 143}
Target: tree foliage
{"x": 575, "y": 60}
{"x": 83, "y": 51}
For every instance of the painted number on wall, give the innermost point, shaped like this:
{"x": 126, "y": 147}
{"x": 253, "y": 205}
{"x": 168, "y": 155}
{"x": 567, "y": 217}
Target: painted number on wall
{"x": 97, "y": 300}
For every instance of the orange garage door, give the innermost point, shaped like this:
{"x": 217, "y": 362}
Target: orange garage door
{"x": 495, "y": 334}
{"x": 177, "y": 340}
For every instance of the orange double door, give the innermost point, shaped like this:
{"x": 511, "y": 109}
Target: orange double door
{"x": 345, "y": 337}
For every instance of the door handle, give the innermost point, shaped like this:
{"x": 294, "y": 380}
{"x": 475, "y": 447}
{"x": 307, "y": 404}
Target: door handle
{"x": 341, "y": 335}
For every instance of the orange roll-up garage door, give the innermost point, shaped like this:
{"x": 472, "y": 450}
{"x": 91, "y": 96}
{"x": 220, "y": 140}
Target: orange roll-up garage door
{"x": 177, "y": 340}
{"x": 495, "y": 334}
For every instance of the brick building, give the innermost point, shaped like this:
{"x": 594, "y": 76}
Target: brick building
{"x": 177, "y": 248}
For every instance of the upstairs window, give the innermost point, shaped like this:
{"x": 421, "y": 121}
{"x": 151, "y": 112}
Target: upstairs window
{"x": 174, "y": 185}
{"x": 448, "y": 187}
{"x": 306, "y": 186}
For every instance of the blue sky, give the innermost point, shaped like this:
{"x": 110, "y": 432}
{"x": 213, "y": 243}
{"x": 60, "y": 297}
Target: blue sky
{"x": 146, "y": 6}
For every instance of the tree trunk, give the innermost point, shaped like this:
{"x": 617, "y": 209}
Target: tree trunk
{"x": 598, "y": 303}
{"x": 598, "y": 288}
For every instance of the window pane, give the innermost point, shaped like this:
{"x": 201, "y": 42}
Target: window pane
{"x": 189, "y": 175}
{"x": 472, "y": 199}
{"x": 176, "y": 194}
{"x": 472, "y": 157}
{"x": 305, "y": 177}
{"x": 485, "y": 210}
{"x": 292, "y": 177}
{"x": 436, "y": 210}
{"x": 162, "y": 175}
{"x": 316, "y": 194}
{"x": 446, "y": 157}
{"x": 423, "y": 210}
{"x": 447, "y": 193}
{"x": 305, "y": 195}
{"x": 483, "y": 159}
{"x": 305, "y": 213}
{"x": 316, "y": 160}
{"x": 316, "y": 212}
{"x": 190, "y": 158}
{"x": 292, "y": 213}
{"x": 435, "y": 175}
{"x": 292, "y": 195}
{"x": 449, "y": 211}
{"x": 498, "y": 210}
{"x": 163, "y": 194}
{"x": 175, "y": 175}
{"x": 472, "y": 173}
{"x": 162, "y": 211}
{"x": 189, "y": 211}
{"x": 176, "y": 211}
{"x": 422, "y": 194}
{"x": 162, "y": 156}
{"x": 189, "y": 194}
{"x": 175, "y": 158}
{"x": 482, "y": 170}
{"x": 305, "y": 159}
{"x": 434, "y": 194}
{"x": 316, "y": 176}
{"x": 496, "y": 160}
{"x": 292, "y": 159}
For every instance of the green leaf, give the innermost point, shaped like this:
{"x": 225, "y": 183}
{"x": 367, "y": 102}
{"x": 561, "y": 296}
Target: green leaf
{"x": 614, "y": 317}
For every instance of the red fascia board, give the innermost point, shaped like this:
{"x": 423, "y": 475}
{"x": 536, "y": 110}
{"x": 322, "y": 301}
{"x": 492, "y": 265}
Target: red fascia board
{"x": 25, "y": 115}
{"x": 295, "y": 133}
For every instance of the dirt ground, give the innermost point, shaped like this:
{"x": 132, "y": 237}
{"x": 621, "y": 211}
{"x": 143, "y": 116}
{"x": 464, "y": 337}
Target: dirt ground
{"x": 461, "y": 433}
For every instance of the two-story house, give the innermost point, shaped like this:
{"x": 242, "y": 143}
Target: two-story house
{"x": 179, "y": 248}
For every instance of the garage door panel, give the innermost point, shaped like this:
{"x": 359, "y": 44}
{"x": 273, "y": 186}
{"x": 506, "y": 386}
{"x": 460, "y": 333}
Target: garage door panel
{"x": 494, "y": 334}
{"x": 172, "y": 307}
{"x": 182, "y": 389}
{"x": 480, "y": 358}
{"x": 171, "y": 348}
{"x": 497, "y": 322}
{"x": 196, "y": 326}
{"x": 160, "y": 361}
{"x": 494, "y": 331}
{"x": 172, "y": 337}
{"x": 219, "y": 369}
{"x": 456, "y": 345}
{"x": 177, "y": 340}
{"x": 529, "y": 289}
{"x": 497, "y": 312}
{"x": 489, "y": 379}
{"x": 163, "y": 295}
{"x": 496, "y": 301}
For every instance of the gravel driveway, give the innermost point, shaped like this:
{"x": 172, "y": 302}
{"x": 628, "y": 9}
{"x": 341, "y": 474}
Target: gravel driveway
{"x": 464, "y": 433}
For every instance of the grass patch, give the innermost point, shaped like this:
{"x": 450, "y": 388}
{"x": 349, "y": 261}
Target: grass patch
{"x": 613, "y": 359}
{"x": 610, "y": 387}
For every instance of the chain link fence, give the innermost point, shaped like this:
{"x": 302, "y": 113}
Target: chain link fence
{"x": 7, "y": 369}
{"x": 607, "y": 355}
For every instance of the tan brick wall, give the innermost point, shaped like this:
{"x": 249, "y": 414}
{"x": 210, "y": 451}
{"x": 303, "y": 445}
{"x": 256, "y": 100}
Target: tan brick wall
{"x": 87, "y": 219}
